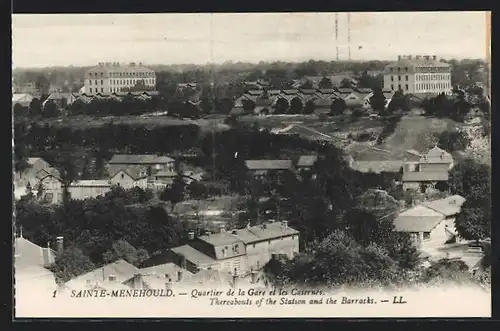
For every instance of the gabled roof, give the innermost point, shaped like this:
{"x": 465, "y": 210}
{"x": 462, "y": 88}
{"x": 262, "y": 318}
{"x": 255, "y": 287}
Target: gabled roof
{"x": 43, "y": 173}
{"x": 436, "y": 155}
{"x": 290, "y": 91}
{"x": 134, "y": 172}
{"x": 33, "y": 160}
{"x": 307, "y": 160}
{"x": 345, "y": 90}
{"x": 255, "y": 92}
{"x": 417, "y": 219}
{"x": 448, "y": 206}
{"x": 28, "y": 254}
{"x": 121, "y": 269}
{"x": 269, "y": 164}
{"x": 425, "y": 176}
{"x": 193, "y": 255}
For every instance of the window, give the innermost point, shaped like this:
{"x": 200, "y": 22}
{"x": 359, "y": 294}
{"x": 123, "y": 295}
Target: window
{"x": 102, "y": 90}
{"x": 399, "y": 86}
{"x": 406, "y": 77}
{"x": 96, "y": 82}
{"x": 102, "y": 82}
{"x": 406, "y": 86}
{"x": 427, "y": 235}
{"x": 90, "y": 90}
{"x": 123, "y": 176}
{"x": 392, "y": 87}
{"x": 399, "y": 77}
{"x": 406, "y": 69}
{"x": 101, "y": 74}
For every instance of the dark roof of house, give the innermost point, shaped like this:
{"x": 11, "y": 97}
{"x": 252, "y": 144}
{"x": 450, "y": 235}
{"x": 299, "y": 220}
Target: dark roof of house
{"x": 193, "y": 255}
{"x": 139, "y": 159}
{"x": 268, "y": 164}
{"x": 134, "y": 172}
{"x": 345, "y": 90}
{"x": 264, "y": 232}
{"x": 307, "y": 160}
{"x": 425, "y": 176}
{"x": 377, "y": 166}
{"x": 255, "y": 92}
{"x": 291, "y": 91}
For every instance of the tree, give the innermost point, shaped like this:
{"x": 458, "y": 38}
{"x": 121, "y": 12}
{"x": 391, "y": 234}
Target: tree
{"x": 50, "y": 109}
{"x": 281, "y": 106}
{"x": 174, "y": 193}
{"x": 377, "y": 101}
{"x": 42, "y": 84}
{"x": 346, "y": 83}
{"x": 20, "y": 110}
{"x": 70, "y": 263}
{"x": 296, "y": 106}
{"x": 307, "y": 85}
{"x": 325, "y": 83}
{"x": 248, "y": 106}
{"x": 446, "y": 270}
{"x": 309, "y": 107}
{"x": 474, "y": 221}
{"x": 121, "y": 249}
{"x": 453, "y": 140}
{"x": 35, "y": 108}
{"x": 399, "y": 101}
{"x": 337, "y": 107}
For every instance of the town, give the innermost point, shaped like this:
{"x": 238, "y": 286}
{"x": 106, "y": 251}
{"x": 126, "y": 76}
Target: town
{"x": 131, "y": 176}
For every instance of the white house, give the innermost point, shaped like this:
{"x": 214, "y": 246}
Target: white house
{"x": 130, "y": 177}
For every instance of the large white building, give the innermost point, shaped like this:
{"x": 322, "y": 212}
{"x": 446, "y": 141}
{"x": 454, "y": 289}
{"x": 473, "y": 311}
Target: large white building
{"x": 418, "y": 75}
{"x": 110, "y": 77}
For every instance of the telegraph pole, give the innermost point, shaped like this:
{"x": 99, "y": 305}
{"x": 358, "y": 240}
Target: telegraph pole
{"x": 349, "y": 34}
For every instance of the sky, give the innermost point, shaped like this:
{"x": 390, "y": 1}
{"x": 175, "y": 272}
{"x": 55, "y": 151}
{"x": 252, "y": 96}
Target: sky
{"x": 40, "y": 40}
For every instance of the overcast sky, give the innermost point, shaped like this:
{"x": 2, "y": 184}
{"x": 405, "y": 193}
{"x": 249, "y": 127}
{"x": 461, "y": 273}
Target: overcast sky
{"x": 85, "y": 39}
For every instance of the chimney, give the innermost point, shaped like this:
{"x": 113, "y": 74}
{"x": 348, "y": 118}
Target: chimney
{"x": 434, "y": 57}
{"x": 191, "y": 235}
{"x": 180, "y": 275}
{"x": 418, "y": 57}
{"x": 60, "y": 244}
{"x": 284, "y": 224}
{"x": 427, "y": 57}
{"x": 399, "y": 57}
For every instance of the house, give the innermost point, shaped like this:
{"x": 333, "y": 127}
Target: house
{"x": 262, "y": 242}
{"x": 35, "y": 164}
{"x": 130, "y": 177}
{"x": 238, "y": 252}
{"x": 84, "y": 189}
{"x": 432, "y": 224}
{"x": 111, "y": 275}
{"x": 377, "y": 166}
{"x": 51, "y": 185}
{"x": 306, "y": 162}
{"x": 61, "y": 99}
{"x": 30, "y": 270}
{"x": 151, "y": 161}
{"x": 264, "y": 168}
{"x": 430, "y": 169}
{"x": 24, "y": 99}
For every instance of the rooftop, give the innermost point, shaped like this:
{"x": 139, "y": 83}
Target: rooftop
{"x": 218, "y": 239}
{"x": 448, "y": 206}
{"x": 139, "y": 159}
{"x": 264, "y": 232}
{"x": 436, "y": 155}
{"x": 425, "y": 176}
{"x": 91, "y": 183}
{"x": 29, "y": 254}
{"x": 193, "y": 255}
{"x": 121, "y": 269}
{"x": 269, "y": 164}
{"x": 170, "y": 269}
{"x": 307, "y": 160}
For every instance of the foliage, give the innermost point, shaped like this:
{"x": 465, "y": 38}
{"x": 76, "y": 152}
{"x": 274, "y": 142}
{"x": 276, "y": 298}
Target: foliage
{"x": 296, "y": 106}
{"x": 35, "y": 107}
{"x": 390, "y": 124}
{"x": 121, "y": 249}
{"x": 70, "y": 263}
{"x": 309, "y": 107}
{"x": 50, "y": 109}
{"x": 337, "y": 107}
{"x": 453, "y": 140}
{"x": 377, "y": 101}
{"x": 325, "y": 83}
{"x": 399, "y": 101}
